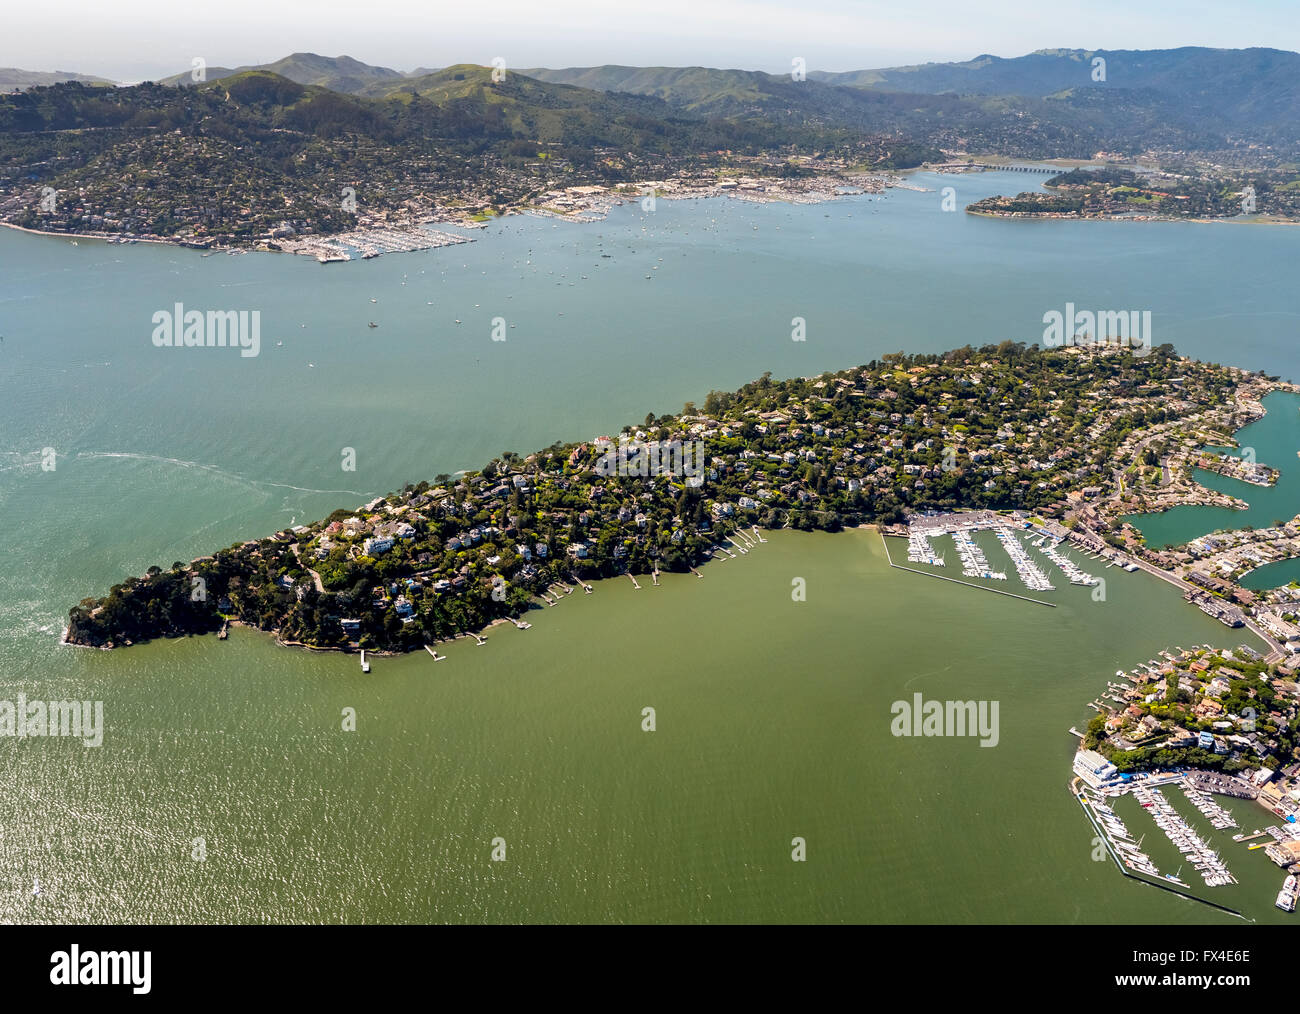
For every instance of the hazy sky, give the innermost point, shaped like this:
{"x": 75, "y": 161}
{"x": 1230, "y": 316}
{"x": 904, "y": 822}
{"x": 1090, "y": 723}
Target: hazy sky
{"x": 135, "y": 39}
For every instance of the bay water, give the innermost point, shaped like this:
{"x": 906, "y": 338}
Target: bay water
{"x": 226, "y": 789}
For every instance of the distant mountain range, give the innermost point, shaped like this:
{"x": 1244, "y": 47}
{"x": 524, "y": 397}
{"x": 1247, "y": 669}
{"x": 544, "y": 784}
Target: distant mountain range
{"x": 1249, "y": 85}
{"x": 1048, "y": 103}
{"x": 1212, "y": 94}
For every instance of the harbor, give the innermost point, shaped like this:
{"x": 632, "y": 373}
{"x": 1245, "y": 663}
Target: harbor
{"x": 1098, "y": 785}
{"x": 923, "y": 531}
{"x": 1207, "y": 862}
{"x": 370, "y": 242}
{"x": 1076, "y": 575}
{"x": 919, "y": 549}
{"x": 1030, "y": 573}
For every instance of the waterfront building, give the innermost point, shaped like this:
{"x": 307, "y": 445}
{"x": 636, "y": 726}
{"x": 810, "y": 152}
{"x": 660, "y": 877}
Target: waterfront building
{"x": 1094, "y": 769}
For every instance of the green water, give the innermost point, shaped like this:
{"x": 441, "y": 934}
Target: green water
{"x": 773, "y": 716}
{"x": 773, "y": 721}
{"x": 1272, "y": 575}
{"x": 1275, "y": 439}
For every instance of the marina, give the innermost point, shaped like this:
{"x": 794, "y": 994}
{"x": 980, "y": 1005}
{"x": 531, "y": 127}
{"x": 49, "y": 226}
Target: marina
{"x": 1219, "y": 818}
{"x": 1121, "y": 843}
{"x": 1030, "y": 574}
{"x": 371, "y": 242}
{"x": 1067, "y": 566}
{"x": 960, "y": 527}
{"x": 919, "y": 549}
{"x": 973, "y": 561}
{"x": 1203, "y": 858}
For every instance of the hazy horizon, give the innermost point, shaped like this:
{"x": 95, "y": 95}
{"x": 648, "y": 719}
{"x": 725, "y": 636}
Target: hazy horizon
{"x": 148, "y": 39}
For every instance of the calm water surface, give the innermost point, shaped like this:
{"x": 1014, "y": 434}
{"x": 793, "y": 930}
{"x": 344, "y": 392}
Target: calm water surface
{"x": 773, "y": 716}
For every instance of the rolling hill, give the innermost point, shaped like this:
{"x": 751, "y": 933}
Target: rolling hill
{"x": 12, "y": 79}
{"x": 337, "y": 73}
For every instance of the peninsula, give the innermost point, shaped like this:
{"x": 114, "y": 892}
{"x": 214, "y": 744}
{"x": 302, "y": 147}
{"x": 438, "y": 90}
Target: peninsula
{"x": 1005, "y": 427}
{"x": 1193, "y": 190}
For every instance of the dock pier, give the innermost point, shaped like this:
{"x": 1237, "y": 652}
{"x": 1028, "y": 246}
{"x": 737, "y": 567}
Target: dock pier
{"x": 940, "y": 577}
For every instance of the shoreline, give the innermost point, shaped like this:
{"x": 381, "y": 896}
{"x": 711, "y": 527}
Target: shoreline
{"x": 91, "y": 634}
{"x": 536, "y": 603}
{"x": 430, "y": 235}
{"x": 1026, "y": 216}
{"x": 587, "y": 208}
